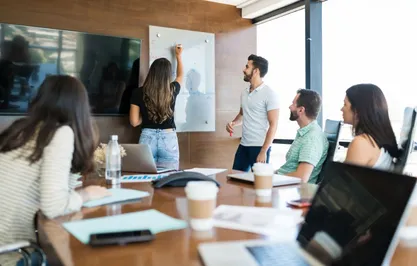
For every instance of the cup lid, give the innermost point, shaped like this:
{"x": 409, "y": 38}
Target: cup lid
{"x": 203, "y": 187}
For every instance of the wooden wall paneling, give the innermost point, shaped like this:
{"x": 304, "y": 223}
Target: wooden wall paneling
{"x": 215, "y": 148}
{"x": 232, "y": 51}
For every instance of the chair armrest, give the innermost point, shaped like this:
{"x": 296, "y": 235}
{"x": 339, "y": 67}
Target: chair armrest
{"x": 21, "y": 247}
{"x": 14, "y": 246}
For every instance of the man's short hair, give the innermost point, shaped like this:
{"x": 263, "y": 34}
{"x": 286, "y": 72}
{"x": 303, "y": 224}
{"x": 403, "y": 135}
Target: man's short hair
{"x": 311, "y": 101}
{"x": 259, "y": 63}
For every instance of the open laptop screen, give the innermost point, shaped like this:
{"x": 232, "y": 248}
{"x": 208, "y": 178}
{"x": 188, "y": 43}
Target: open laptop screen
{"x": 354, "y": 215}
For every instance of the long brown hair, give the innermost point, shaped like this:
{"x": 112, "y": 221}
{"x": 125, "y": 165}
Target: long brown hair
{"x": 370, "y": 106}
{"x": 157, "y": 91}
{"x": 61, "y": 100}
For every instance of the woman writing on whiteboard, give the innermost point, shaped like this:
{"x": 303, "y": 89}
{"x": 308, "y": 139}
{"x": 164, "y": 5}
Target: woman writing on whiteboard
{"x": 153, "y": 105}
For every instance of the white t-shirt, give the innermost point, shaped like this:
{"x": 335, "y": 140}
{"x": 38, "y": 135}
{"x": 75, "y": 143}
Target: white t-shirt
{"x": 255, "y": 106}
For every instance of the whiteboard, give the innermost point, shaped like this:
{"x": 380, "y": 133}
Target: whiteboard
{"x": 195, "y": 105}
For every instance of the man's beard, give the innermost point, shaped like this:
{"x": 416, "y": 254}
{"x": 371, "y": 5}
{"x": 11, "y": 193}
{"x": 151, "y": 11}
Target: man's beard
{"x": 247, "y": 78}
{"x": 293, "y": 115}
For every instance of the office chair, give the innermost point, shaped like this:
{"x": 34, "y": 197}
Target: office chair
{"x": 332, "y": 130}
{"x": 406, "y": 139}
{"x": 22, "y": 248}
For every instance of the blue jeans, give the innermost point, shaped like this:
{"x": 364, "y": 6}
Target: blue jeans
{"x": 164, "y": 146}
{"x": 246, "y": 157}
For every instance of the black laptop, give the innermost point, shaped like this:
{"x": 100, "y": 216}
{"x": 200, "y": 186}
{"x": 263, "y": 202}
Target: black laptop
{"x": 353, "y": 220}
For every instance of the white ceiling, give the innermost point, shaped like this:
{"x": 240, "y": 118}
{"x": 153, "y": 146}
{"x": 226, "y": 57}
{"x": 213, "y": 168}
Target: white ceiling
{"x": 255, "y": 8}
{"x": 237, "y": 3}
{"x": 228, "y": 2}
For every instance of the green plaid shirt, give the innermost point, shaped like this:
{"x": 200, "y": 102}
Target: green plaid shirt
{"x": 309, "y": 146}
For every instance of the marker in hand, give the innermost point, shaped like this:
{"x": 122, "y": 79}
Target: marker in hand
{"x": 231, "y": 129}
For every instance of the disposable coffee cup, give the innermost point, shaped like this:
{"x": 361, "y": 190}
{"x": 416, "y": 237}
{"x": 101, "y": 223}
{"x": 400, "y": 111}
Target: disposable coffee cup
{"x": 263, "y": 174}
{"x": 264, "y": 200}
{"x": 201, "y": 198}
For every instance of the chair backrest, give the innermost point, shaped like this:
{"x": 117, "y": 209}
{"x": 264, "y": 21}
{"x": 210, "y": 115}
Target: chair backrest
{"x": 332, "y": 131}
{"x": 406, "y": 142}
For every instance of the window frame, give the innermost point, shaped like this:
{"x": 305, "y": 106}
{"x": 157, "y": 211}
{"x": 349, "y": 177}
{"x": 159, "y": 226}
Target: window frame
{"x": 313, "y": 41}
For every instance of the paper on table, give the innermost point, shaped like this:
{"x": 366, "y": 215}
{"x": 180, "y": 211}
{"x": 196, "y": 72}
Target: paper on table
{"x": 117, "y": 195}
{"x": 153, "y": 220}
{"x": 267, "y": 221}
{"x": 142, "y": 178}
{"x": 206, "y": 171}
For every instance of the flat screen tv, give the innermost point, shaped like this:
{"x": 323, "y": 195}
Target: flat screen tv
{"x": 108, "y": 66}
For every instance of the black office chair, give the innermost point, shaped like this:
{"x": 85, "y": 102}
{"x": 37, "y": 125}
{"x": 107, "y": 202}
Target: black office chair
{"x": 407, "y": 144}
{"x": 332, "y": 130}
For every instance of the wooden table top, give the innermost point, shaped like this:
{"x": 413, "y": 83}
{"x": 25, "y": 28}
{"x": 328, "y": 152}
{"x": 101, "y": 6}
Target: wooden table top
{"x": 178, "y": 247}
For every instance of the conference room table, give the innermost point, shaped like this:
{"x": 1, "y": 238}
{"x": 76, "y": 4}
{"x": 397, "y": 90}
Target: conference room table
{"x": 177, "y": 247}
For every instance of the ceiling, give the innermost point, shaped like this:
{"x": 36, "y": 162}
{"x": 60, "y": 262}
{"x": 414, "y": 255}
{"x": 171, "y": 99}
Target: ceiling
{"x": 255, "y": 8}
{"x": 229, "y": 2}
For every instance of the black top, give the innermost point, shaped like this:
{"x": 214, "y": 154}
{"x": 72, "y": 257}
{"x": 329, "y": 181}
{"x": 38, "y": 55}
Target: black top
{"x": 137, "y": 99}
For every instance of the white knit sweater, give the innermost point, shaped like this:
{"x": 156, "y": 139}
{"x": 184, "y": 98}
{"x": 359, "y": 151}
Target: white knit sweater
{"x": 46, "y": 185}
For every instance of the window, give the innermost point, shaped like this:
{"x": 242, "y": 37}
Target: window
{"x": 281, "y": 42}
{"x": 370, "y": 41}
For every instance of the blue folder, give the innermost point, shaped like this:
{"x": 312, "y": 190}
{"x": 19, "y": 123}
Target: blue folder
{"x": 152, "y": 219}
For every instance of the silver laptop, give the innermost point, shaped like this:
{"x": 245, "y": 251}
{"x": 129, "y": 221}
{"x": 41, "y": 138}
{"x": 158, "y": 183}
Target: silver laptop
{"x": 354, "y": 219}
{"x": 277, "y": 180}
{"x": 139, "y": 159}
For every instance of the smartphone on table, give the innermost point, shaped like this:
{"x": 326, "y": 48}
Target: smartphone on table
{"x": 300, "y": 203}
{"x": 121, "y": 238}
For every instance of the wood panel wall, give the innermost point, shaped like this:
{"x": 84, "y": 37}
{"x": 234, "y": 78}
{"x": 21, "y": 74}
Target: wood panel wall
{"x": 235, "y": 40}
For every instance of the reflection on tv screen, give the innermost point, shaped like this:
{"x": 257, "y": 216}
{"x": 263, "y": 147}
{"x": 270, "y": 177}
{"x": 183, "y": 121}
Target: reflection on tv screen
{"x": 108, "y": 66}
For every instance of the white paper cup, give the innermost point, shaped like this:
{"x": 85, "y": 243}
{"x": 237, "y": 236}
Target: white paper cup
{"x": 201, "y": 198}
{"x": 263, "y": 174}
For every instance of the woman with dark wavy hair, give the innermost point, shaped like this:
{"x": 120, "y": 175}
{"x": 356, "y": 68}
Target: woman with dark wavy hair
{"x": 374, "y": 144}
{"x": 153, "y": 105}
{"x": 41, "y": 158}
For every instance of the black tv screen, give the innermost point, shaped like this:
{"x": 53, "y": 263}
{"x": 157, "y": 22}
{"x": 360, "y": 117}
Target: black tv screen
{"x": 108, "y": 66}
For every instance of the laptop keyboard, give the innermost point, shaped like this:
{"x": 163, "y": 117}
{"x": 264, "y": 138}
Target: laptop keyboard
{"x": 277, "y": 255}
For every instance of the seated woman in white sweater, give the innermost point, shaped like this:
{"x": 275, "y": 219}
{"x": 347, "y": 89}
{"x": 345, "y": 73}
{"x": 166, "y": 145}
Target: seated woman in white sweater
{"x": 374, "y": 144}
{"x": 41, "y": 155}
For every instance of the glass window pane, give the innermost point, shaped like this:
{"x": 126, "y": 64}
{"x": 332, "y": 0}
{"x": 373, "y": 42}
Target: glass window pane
{"x": 281, "y": 42}
{"x": 278, "y": 152}
{"x": 379, "y": 49}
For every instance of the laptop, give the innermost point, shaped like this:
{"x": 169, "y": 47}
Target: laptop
{"x": 354, "y": 219}
{"x": 139, "y": 159}
{"x": 277, "y": 180}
